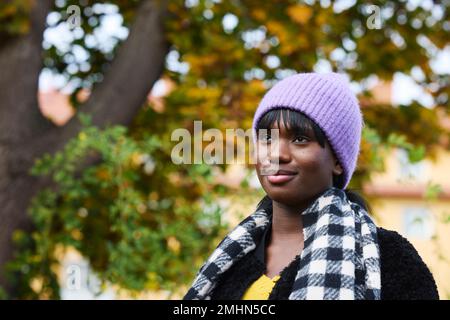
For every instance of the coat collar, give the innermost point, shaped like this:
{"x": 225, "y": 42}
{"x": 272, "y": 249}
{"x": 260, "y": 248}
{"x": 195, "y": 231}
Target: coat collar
{"x": 260, "y": 251}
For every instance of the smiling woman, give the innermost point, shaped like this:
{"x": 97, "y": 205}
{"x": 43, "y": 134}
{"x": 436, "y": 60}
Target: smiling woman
{"x": 309, "y": 238}
{"x": 305, "y": 159}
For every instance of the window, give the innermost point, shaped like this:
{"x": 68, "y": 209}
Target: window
{"x": 418, "y": 223}
{"x": 408, "y": 170}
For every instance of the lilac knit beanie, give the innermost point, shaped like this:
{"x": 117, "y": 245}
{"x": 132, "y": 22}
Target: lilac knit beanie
{"x": 328, "y": 101}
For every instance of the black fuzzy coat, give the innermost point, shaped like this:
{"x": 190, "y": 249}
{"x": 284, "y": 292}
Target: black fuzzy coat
{"x": 404, "y": 275}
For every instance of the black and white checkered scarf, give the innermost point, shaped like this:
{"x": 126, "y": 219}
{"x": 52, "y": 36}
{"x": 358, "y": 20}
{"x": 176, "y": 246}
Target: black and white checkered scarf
{"x": 340, "y": 257}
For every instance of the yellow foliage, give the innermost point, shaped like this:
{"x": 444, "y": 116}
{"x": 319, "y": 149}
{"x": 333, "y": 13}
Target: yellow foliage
{"x": 153, "y": 196}
{"x": 287, "y": 48}
{"x": 103, "y": 174}
{"x": 36, "y": 284}
{"x": 8, "y": 10}
{"x": 322, "y": 18}
{"x": 302, "y": 41}
{"x": 204, "y": 93}
{"x": 136, "y": 159}
{"x": 238, "y": 54}
{"x": 173, "y": 244}
{"x": 259, "y": 14}
{"x": 153, "y": 283}
{"x": 76, "y": 234}
{"x": 252, "y": 95}
{"x": 197, "y": 62}
{"x": 277, "y": 29}
{"x": 299, "y": 13}
{"x": 82, "y": 136}
{"x": 175, "y": 178}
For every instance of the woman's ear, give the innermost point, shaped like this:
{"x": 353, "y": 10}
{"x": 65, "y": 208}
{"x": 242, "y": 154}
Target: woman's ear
{"x": 337, "y": 169}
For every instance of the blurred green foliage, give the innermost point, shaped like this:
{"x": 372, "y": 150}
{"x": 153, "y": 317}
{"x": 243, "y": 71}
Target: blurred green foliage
{"x": 140, "y": 223}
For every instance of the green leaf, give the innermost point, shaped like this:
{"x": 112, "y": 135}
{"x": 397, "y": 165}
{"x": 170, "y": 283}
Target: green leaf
{"x": 432, "y": 191}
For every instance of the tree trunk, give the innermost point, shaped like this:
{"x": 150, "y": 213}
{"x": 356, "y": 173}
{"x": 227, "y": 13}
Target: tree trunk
{"x": 20, "y": 62}
{"x": 25, "y": 134}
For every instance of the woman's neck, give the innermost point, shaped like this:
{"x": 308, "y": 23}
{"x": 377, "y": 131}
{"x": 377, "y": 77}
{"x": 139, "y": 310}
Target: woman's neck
{"x": 287, "y": 224}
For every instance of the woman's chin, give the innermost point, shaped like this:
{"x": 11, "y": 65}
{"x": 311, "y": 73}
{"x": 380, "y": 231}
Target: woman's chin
{"x": 283, "y": 197}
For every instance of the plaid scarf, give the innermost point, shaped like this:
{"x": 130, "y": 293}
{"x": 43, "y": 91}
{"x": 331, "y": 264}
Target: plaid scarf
{"x": 340, "y": 257}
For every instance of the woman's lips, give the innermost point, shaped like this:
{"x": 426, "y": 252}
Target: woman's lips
{"x": 281, "y": 177}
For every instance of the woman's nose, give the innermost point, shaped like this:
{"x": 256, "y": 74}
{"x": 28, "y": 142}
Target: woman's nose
{"x": 282, "y": 151}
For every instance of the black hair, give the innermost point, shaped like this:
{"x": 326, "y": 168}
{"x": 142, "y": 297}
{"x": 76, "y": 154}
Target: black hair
{"x": 300, "y": 124}
{"x": 293, "y": 121}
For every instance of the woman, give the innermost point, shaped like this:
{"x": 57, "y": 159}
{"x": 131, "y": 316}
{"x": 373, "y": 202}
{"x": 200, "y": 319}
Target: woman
{"x": 309, "y": 238}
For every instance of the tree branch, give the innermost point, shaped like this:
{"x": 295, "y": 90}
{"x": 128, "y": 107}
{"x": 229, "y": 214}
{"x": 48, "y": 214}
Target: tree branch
{"x": 20, "y": 65}
{"x": 138, "y": 64}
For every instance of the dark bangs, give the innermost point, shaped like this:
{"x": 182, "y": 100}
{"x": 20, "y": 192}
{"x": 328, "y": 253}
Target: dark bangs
{"x": 294, "y": 121}
{"x": 299, "y": 124}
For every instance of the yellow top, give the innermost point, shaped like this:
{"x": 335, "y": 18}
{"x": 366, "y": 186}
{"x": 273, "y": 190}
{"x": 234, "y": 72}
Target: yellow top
{"x": 261, "y": 288}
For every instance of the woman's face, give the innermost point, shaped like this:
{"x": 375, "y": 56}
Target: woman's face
{"x": 305, "y": 168}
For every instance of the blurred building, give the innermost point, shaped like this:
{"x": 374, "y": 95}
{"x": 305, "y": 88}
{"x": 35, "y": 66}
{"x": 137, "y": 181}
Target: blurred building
{"x": 403, "y": 201}
{"x": 400, "y": 203}
{"x": 55, "y": 106}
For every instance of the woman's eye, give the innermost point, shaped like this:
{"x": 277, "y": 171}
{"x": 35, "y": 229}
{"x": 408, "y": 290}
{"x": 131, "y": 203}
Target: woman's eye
{"x": 300, "y": 139}
{"x": 264, "y": 137}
